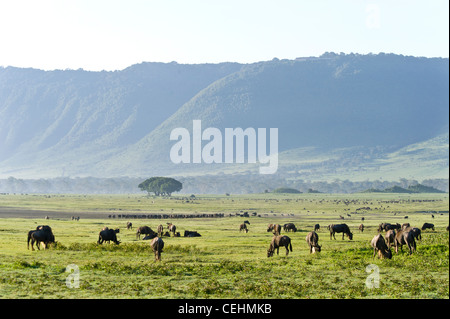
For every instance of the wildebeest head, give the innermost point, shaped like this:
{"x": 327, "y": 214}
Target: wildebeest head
{"x": 350, "y": 236}
{"x": 317, "y": 248}
{"x": 270, "y": 251}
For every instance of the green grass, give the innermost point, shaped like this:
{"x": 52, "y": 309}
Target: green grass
{"x": 224, "y": 263}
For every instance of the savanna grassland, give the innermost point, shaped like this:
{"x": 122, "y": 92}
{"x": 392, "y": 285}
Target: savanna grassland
{"x": 223, "y": 263}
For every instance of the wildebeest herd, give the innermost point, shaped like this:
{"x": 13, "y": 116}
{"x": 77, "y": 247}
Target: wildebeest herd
{"x": 396, "y": 236}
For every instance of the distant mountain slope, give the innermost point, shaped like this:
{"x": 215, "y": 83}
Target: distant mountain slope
{"x": 65, "y": 110}
{"x": 329, "y": 102}
{"x": 80, "y": 123}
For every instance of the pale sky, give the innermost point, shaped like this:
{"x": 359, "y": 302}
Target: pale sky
{"x": 114, "y": 34}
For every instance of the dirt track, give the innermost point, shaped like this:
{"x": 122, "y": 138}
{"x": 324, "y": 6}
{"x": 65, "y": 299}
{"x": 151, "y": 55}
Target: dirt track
{"x": 8, "y": 212}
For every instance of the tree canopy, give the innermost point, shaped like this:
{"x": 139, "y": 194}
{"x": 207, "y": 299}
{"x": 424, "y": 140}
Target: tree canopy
{"x": 161, "y": 186}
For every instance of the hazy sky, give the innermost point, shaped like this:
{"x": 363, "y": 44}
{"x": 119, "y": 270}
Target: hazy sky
{"x": 114, "y": 34}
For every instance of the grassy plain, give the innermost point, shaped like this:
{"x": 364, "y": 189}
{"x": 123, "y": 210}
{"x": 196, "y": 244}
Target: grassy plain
{"x": 223, "y": 263}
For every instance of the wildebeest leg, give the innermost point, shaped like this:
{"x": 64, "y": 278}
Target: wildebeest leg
{"x": 287, "y": 249}
{"x": 342, "y": 236}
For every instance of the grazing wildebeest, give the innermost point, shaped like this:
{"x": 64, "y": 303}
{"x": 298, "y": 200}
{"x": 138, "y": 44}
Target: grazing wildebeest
{"x": 188, "y": 233}
{"x": 275, "y": 228}
{"x": 243, "y": 227}
{"x": 277, "y": 242}
{"x": 387, "y": 226}
{"x": 405, "y": 237}
{"x": 172, "y": 228}
{"x": 312, "y": 239}
{"x": 106, "y": 235}
{"x": 316, "y": 227}
{"x": 42, "y": 234}
{"x": 428, "y": 226}
{"x": 361, "y": 228}
{"x": 340, "y": 228}
{"x": 390, "y": 237}
{"x": 129, "y": 225}
{"x": 417, "y": 233}
{"x": 379, "y": 245}
{"x": 160, "y": 230}
{"x": 157, "y": 245}
{"x": 289, "y": 227}
{"x": 144, "y": 230}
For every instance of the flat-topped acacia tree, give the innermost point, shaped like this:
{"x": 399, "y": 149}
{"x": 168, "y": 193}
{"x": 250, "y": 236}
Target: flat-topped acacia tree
{"x": 161, "y": 186}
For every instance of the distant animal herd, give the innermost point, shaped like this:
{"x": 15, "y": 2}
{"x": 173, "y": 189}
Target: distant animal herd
{"x": 396, "y": 236}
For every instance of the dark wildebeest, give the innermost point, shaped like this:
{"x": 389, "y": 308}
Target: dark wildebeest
{"x": 157, "y": 245}
{"x": 172, "y": 228}
{"x": 379, "y": 245}
{"x": 275, "y": 228}
{"x": 289, "y": 227}
{"x": 405, "y": 237}
{"x": 188, "y": 233}
{"x": 108, "y": 234}
{"x": 129, "y": 225}
{"x": 312, "y": 239}
{"x": 427, "y": 226}
{"x": 42, "y": 234}
{"x": 387, "y": 226}
{"x": 340, "y": 228}
{"x": 390, "y": 237}
{"x": 316, "y": 227}
{"x": 144, "y": 230}
{"x": 243, "y": 227}
{"x": 361, "y": 228}
{"x": 417, "y": 233}
{"x": 277, "y": 242}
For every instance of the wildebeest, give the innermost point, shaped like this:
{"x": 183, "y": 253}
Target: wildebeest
{"x": 406, "y": 225}
{"x": 106, "y": 235}
{"x": 172, "y": 228}
{"x": 428, "y": 226}
{"x": 316, "y": 227}
{"x": 129, "y": 225}
{"x": 243, "y": 227}
{"x": 188, "y": 233}
{"x": 312, "y": 239}
{"x": 144, "y": 230}
{"x": 275, "y": 228}
{"x": 390, "y": 237}
{"x": 387, "y": 226}
{"x": 405, "y": 237}
{"x": 361, "y": 228}
{"x": 277, "y": 242}
{"x": 42, "y": 234}
{"x": 379, "y": 245}
{"x": 157, "y": 245}
{"x": 417, "y": 233}
{"x": 289, "y": 227}
{"x": 160, "y": 230}
{"x": 340, "y": 228}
